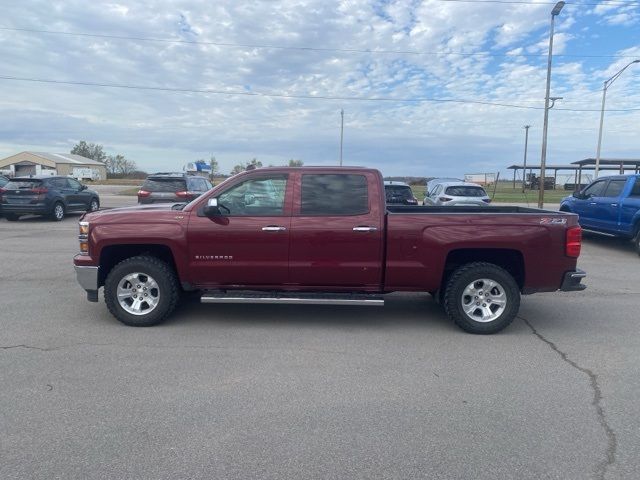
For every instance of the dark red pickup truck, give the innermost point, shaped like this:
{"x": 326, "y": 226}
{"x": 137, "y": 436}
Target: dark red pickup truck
{"x": 322, "y": 235}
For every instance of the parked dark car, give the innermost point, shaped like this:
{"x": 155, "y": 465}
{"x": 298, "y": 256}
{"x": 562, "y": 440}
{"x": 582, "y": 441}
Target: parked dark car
{"x": 399, "y": 193}
{"x": 3, "y": 181}
{"x": 50, "y": 196}
{"x": 172, "y": 188}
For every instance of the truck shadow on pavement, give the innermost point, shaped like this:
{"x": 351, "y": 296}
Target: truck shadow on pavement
{"x": 404, "y": 310}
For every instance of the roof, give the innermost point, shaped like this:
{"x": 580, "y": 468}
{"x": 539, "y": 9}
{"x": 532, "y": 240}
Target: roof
{"x": 394, "y": 182}
{"x": 66, "y": 158}
{"x": 610, "y": 161}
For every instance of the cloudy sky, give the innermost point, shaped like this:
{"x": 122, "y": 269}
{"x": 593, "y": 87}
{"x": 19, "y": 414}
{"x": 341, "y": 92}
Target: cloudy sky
{"x": 428, "y": 88}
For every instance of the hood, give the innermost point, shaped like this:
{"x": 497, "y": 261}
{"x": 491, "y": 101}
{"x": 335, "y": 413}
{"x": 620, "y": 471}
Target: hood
{"x": 137, "y": 214}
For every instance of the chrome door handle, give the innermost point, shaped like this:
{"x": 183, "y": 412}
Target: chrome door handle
{"x": 273, "y": 228}
{"x": 592, "y": 203}
{"x": 364, "y": 229}
{"x": 614, "y": 204}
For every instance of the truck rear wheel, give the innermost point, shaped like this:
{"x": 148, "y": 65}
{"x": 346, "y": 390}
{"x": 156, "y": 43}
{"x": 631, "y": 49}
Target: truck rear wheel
{"x": 141, "y": 291}
{"x": 482, "y": 298}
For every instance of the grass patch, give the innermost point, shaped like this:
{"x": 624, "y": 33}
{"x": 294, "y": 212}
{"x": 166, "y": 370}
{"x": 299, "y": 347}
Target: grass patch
{"x": 507, "y": 194}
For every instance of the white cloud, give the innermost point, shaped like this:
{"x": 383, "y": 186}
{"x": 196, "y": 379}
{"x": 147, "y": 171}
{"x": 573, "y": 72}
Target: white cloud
{"x": 158, "y": 128}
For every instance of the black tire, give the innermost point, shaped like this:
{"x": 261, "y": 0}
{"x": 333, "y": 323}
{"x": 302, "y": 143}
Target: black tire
{"x": 160, "y": 300}
{"x": 94, "y": 205}
{"x": 57, "y": 212}
{"x": 636, "y": 242}
{"x": 467, "y": 286}
{"x": 12, "y": 217}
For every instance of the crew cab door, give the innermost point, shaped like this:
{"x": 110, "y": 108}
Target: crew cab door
{"x": 609, "y": 205}
{"x": 630, "y": 206}
{"x": 248, "y": 243}
{"x": 337, "y": 231}
{"x": 586, "y": 206}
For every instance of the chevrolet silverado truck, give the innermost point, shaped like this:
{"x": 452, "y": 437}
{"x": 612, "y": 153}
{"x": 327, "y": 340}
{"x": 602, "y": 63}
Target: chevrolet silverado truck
{"x": 609, "y": 206}
{"x": 317, "y": 235}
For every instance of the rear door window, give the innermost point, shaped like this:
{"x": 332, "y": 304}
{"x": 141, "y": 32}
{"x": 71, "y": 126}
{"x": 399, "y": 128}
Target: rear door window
{"x": 635, "y": 191}
{"x": 334, "y": 194}
{"x": 615, "y": 187}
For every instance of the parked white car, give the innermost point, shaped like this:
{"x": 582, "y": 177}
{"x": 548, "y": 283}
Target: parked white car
{"x": 457, "y": 193}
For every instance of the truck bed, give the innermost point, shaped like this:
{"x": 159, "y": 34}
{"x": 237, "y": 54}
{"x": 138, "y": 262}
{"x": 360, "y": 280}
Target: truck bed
{"x": 470, "y": 209}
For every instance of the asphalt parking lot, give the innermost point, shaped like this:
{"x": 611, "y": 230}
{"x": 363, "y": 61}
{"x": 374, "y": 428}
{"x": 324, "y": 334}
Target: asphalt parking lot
{"x": 274, "y": 392}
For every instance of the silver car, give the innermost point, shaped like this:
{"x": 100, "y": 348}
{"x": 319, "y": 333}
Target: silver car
{"x": 457, "y": 193}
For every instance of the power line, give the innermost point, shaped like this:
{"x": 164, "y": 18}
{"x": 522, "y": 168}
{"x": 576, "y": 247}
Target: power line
{"x": 302, "y": 48}
{"x": 578, "y": 4}
{"x": 300, "y": 97}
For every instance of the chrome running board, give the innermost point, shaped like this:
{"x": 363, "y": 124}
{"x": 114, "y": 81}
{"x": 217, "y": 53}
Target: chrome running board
{"x": 293, "y": 298}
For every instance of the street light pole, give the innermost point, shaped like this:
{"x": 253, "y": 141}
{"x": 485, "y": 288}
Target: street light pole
{"x": 543, "y": 159}
{"x": 605, "y": 86}
{"x": 526, "y": 143}
{"x": 341, "y": 132}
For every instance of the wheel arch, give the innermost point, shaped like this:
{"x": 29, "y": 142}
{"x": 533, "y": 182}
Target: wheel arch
{"x": 111, "y": 255}
{"x": 509, "y": 259}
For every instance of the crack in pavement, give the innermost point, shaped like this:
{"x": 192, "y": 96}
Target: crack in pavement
{"x": 29, "y": 347}
{"x": 612, "y": 441}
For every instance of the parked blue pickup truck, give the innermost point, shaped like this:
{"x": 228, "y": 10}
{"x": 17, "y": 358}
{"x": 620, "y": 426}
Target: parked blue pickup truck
{"x": 610, "y": 206}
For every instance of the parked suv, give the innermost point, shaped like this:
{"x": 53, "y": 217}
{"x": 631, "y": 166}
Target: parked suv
{"x": 457, "y": 193}
{"x": 50, "y": 196}
{"x": 172, "y": 188}
{"x": 398, "y": 193}
{"x": 3, "y": 181}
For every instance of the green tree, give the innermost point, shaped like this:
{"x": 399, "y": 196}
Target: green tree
{"x": 238, "y": 168}
{"x": 295, "y": 163}
{"x": 215, "y": 167}
{"x": 119, "y": 165}
{"x": 89, "y": 150}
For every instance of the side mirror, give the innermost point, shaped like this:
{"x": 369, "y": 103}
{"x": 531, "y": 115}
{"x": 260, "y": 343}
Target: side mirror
{"x": 576, "y": 194}
{"x": 212, "y": 209}
{"x": 83, "y": 187}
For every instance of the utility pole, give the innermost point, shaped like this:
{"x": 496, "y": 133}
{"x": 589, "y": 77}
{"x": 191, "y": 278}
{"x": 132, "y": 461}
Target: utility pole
{"x": 341, "y": 132}
{"x": 605, "y": 86}
{"x": 543, "y": 159}
{"x": 526, "y": 143}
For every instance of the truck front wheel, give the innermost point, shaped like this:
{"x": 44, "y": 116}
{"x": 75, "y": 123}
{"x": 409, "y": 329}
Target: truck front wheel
{"x": 141, "y": 291}
{"x": 482, "y": 298}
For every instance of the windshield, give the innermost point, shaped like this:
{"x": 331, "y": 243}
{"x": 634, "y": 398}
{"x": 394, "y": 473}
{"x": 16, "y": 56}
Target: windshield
{"x": 22, "y": 184}
{"x": 164, "y": 185}
{"x": 398, "y": 191}
{"x": 466, "y": 191}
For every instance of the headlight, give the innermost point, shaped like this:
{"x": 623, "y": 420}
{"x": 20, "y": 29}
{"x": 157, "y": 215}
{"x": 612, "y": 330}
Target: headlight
{"x": 83, "y": 237}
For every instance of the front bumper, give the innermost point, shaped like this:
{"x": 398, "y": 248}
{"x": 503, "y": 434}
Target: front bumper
{"x": 571, "y": 281}
{"x": 88, "y": 279}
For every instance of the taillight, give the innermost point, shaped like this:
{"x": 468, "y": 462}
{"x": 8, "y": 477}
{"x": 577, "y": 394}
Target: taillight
{"x": 143, "y": 193}
{"x": 445, "y": 199}
{"x": 184, "y": 194}
{"x": 486, "y": 200}
{"x": 39, "y": 191}
{"x": 574, "y": 242}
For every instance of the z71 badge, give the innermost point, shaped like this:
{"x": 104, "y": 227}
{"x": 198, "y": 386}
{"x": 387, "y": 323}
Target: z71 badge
{"x": 553, "y": 221}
